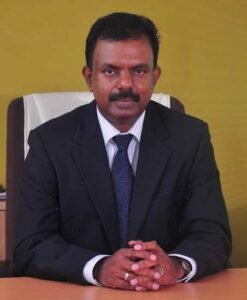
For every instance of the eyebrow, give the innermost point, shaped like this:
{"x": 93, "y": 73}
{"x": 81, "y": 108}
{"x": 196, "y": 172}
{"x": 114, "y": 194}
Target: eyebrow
{"x": 109, "y": 66}
{"x": 145, "y": 66}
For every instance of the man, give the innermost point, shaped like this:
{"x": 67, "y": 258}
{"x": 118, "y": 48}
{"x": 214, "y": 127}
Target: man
{"x": 165, "y": 220}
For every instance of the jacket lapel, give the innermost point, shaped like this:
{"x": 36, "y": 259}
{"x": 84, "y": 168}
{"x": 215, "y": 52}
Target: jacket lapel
{"x": 153, "y": 157}
{"x": 91, "y": 160}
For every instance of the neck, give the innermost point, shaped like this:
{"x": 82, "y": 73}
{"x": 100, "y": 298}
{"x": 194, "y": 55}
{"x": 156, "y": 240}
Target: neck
{"x": 123, "y": 127}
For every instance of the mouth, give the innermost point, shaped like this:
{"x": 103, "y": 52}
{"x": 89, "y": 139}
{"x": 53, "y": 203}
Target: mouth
{"x": 125, "y": 102}
{"x": 125, "y": 99}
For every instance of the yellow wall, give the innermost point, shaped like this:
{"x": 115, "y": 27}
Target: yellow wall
{"x": 203, "y": 57}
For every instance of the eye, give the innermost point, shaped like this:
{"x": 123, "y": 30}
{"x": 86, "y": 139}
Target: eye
{"x": 109, "y": 72}
{"x": 140, "y": 71}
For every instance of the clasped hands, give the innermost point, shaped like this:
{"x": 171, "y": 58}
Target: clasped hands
{"x": 143, "y": 266}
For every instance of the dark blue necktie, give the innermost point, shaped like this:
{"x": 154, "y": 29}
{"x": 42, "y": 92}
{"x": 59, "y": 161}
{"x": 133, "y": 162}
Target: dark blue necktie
{"x": 122, "y": 175}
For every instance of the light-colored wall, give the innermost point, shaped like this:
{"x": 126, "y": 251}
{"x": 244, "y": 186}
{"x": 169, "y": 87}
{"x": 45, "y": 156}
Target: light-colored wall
{"x": 203, "y": 56}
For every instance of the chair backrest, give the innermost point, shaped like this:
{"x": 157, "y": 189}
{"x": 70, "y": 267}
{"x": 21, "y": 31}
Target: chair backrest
{"x": 26, "y": 113}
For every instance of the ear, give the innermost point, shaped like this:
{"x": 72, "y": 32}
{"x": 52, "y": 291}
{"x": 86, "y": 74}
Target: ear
{"x": 87, "y": 74}
{"x": 156, "y": 74}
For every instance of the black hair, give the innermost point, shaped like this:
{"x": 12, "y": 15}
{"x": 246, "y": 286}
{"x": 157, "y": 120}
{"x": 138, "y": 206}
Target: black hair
{"x": 121, "y": 26}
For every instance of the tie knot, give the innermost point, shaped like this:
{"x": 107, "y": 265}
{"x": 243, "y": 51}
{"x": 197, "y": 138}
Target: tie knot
{"x": 122, "y": 141}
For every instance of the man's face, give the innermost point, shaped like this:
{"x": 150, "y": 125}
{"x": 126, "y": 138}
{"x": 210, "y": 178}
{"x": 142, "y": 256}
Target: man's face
{"x": 122, "y": 79}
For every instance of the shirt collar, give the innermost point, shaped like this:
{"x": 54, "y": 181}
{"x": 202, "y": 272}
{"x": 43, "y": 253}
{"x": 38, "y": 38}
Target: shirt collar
{"x": 109, "y": 131}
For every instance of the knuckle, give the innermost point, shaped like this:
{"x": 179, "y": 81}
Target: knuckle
{"x": 120, "y": 252}
{"x": 143, "y": 280}
{"x": 131, "y": 252}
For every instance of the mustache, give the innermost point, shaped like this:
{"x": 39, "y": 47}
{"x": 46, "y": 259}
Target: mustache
{"x": 124, "y": 94}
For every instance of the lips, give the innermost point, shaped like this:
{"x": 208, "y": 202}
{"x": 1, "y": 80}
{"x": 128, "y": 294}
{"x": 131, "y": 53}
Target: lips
{"x": 125, "y": 99}
{"x": 125, "y": 102}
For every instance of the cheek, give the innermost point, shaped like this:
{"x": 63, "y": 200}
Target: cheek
{"x": 145, "y": 90}
{"x": 145, "y": 84}
{"x": 101, "y": 92}
{"x": 101, "y": 85}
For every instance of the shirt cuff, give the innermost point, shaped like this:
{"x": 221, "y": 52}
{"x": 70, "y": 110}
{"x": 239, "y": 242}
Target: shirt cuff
{"x": 192, "y": 262}
{"x": 87, "y": 271}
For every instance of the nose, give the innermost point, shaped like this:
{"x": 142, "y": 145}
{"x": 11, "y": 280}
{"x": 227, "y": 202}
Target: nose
{"x": 125, "y": 80}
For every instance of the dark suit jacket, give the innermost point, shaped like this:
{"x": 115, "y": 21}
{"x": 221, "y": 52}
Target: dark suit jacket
{"x": 69, "y": 212}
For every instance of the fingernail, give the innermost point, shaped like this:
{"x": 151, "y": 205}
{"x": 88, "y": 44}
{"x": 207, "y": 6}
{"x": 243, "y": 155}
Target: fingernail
{"x": 153, "y": 257}
{"x": 138, "y": 247}
{"x": 133, "y": 282}
{"x": 155, "y": 286}
{"x": 135, "y": 267}
{"x": 140, "y": 289}
{"x": 157, "y": 275}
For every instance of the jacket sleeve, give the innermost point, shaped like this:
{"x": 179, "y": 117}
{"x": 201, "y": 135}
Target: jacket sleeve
{"x": 204, "y": 223}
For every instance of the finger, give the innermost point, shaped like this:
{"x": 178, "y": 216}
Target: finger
{"x": 133, "y": 283}
{"x": 168, "y": 271}
{"x": 140, "y": 289}
{"x": 153, "y": 286}
{"x": 140, "y": 262}
{"x": 144, "y": 264}
{"x": 123, "y": 258}
{"x": 132, "y": 254}
{"x": 114, "y": 267}
{"x": 133, "y": 242}
{"x": 121, "y": 284}
{"x": 140, "y": 245}
{"x": 148, "y": 265}
{"x": 151, "y": 273}
{"x": 148, "y": 269}
{"x": 153, "y": 247}
{"x": 119, "y": 280}
{"x": 139, "y": 281}
{"x": 145, "y": 283}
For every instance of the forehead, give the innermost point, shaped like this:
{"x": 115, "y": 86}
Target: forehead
{"x": 135, "y": 51}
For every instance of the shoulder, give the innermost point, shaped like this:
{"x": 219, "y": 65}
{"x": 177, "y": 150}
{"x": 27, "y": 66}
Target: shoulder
{"x": 67, "y": 122}
{"x": 59, "y": 132}
{"x": 174, "y": 120}
{"x": 183, "y": 131}
{"x": 184, "y": 134}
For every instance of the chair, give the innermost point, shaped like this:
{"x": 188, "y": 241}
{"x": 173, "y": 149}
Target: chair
{"x": 26, "y": 113}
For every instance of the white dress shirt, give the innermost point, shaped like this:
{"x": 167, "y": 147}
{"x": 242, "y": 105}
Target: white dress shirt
{"x": 109, "y": 131}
